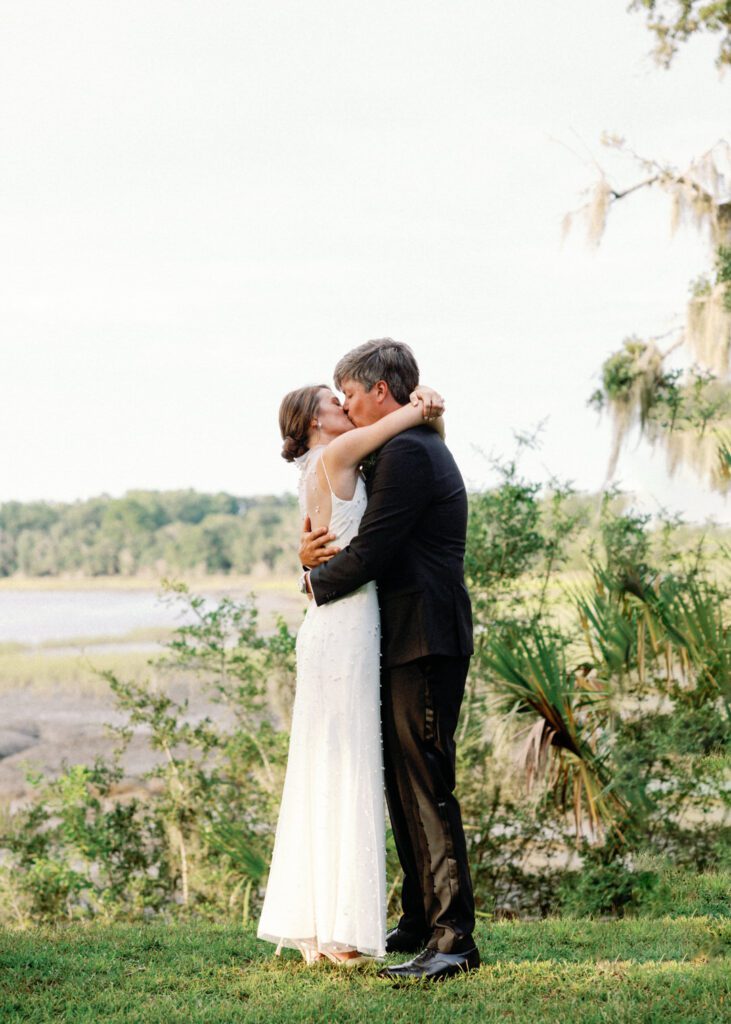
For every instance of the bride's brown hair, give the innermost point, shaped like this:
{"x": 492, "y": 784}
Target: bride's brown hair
{"x": 296, "y": 413}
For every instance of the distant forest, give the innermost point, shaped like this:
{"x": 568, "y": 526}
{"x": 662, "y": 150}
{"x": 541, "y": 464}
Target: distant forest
{"x": 156, "y": 533}
{"x": 149, "y": 532}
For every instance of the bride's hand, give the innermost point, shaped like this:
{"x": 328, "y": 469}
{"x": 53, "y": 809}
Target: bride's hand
{"x": 431, "y": 399}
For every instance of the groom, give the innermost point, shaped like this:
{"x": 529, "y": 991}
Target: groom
{"x": 411, "y": 541}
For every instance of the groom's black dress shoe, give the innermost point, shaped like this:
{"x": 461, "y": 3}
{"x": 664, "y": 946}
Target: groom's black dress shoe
{"x": 431, "y": 965}
{"x": 398, "y": 940}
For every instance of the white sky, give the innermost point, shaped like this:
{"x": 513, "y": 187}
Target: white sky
{"x": 204, "y": 204}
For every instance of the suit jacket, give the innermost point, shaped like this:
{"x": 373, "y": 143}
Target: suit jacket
{"x": 411, "y": 541}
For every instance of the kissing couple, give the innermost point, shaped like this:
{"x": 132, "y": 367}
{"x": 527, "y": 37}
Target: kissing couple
{"x": 382, "y": 660}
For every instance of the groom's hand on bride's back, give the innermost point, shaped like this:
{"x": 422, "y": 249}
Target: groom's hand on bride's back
{"x": 314, "y": 548}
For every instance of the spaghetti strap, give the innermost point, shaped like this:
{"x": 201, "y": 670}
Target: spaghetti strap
{"x": 324, "y": 469}
{"x": 333, "y": 496}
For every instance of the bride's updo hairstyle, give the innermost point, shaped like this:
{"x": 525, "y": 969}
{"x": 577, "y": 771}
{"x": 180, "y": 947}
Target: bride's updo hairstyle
{"x": 297, "y": 411}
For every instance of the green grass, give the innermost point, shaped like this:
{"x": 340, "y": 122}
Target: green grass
{"x": 588, "y": 972}
{"x": 684, "y": 893}
{"x": 72, "y": 672}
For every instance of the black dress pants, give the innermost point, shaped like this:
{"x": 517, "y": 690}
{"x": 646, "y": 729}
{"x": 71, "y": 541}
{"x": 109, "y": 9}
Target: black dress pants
{"x": 420, "y": 704}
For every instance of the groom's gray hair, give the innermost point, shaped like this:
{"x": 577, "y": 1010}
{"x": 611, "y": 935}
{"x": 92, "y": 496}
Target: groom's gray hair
{"x": 383, "y": 359}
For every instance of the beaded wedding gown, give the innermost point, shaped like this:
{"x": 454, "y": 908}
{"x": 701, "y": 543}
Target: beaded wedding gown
{"x": 326, "y": 888}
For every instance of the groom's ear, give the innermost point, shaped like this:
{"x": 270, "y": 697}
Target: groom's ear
{"x": 381, "y": 390}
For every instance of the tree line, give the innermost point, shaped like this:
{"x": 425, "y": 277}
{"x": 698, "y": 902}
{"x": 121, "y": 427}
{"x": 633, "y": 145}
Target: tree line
{"x": 149, "y": 532}
{"x": 164, "y": 533}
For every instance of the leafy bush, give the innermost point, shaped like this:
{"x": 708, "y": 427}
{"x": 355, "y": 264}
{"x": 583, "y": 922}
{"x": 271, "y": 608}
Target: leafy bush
{"x": 201, "y": 841}
{"x": 594, "y": 741}
{"x": 615, "y": 703}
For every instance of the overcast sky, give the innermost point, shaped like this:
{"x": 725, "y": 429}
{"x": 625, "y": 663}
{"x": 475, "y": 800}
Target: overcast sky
{"x": 204, "y": 204}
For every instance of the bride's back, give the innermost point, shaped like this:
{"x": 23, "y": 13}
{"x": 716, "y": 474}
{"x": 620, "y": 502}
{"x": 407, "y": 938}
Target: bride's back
{"x": 317, "y": 500}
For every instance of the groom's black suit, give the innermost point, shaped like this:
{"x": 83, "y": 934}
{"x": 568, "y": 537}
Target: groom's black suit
{"x": 411, "y": 540}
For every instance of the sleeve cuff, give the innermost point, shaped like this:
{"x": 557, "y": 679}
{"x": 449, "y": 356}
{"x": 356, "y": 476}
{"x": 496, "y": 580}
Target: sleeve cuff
{"x": 308, "y": 584}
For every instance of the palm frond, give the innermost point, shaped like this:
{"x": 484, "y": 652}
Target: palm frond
{"x": 229, "y": 838}
{"x": 567, "y": 745}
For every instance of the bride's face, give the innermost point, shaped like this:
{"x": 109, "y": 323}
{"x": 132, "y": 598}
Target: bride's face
{"x": 333, "y": 420}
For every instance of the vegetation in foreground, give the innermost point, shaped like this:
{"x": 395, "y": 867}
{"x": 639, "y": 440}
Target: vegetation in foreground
{"x": 648, "y": 972}
{"x": 613, "y": 692}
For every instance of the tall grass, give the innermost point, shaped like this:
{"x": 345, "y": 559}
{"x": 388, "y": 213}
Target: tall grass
{"x": 74, "y": 673}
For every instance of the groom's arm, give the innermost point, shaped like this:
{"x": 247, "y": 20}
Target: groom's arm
{"x": 401, "y": 489}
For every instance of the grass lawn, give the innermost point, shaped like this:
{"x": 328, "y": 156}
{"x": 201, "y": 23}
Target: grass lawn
{"x": 641, "y": 971}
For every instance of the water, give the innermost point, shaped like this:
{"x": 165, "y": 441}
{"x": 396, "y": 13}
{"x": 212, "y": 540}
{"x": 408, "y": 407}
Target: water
{"x": 40, "y": 616}
{"x": 31, "y": 617}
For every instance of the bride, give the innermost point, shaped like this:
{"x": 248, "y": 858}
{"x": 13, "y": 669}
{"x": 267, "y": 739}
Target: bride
{"x": 326, "y": 894}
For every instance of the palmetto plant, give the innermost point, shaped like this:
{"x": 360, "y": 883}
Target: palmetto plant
{"x": 569, "y": 740}
{"x": 670, "y": 630}
{"x": 247, "y": 866}
{"x": 691, "y": 614}
{"x": 611, "y": 634}
{"x": 618, "y": 625}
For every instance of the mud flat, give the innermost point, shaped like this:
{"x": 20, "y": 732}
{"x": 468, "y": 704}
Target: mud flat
{"x": 54, "y": 706}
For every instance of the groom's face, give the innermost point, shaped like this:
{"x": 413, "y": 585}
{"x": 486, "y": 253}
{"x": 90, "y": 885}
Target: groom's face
{"x": 361, "y": 406}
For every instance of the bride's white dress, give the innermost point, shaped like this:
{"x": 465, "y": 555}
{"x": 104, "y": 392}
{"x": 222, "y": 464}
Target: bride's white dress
{"x": 327, "y": 883}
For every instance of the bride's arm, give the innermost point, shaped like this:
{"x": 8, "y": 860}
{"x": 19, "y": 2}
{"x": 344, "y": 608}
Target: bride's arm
{"x": 349, "y": 450}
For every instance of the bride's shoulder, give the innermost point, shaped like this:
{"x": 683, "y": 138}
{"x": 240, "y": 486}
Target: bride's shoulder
{"x": 310, "y": 459}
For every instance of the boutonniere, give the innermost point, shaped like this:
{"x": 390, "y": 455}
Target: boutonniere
{"x": 368, "y": 464}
